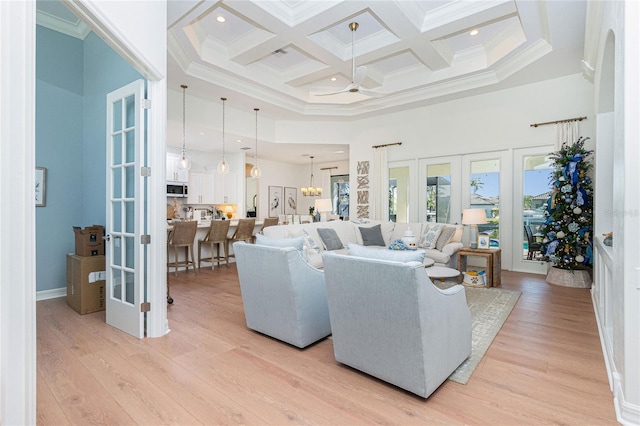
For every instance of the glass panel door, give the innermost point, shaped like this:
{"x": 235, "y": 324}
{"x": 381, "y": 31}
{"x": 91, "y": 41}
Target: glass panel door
{"x": 340, "y": 195}
{"x": 125, "y": 209}
{"x": 438, "y": 193}
{"x": 531, "y": 189}
{"x": 399, "y": 194}
{"x": 484, "y": 186}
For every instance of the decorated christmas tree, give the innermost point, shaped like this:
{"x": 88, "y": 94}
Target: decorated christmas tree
{"x": 568, "y": 227}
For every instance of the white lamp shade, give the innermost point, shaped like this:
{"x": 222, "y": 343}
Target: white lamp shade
{"x": 323, "y": 205}
{"x": 473, "y": 217}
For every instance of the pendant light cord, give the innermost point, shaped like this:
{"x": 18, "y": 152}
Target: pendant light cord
{"x": 223, "y": 152}
{"x": 256, "y": 153}
{"x": 184, "y": 125}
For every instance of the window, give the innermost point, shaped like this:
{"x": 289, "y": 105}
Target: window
{"x": 340, "y": 195}
{"x": 485, "y": 194}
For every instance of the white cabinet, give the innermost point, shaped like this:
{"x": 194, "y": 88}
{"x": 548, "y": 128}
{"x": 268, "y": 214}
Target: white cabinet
{"x": 226, "y": 188}
{"x": 201, "y": 189}
{"x": 174, "y": 173}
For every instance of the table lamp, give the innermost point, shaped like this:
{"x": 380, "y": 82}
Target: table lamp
{"x": 474, "y": 217}
{"x": 229, "y": 211}
{"x": 323, "y": 205}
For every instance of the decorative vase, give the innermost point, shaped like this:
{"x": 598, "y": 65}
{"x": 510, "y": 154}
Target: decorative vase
{"x": 409, "y": 239}
{"x": 578, "y": 278}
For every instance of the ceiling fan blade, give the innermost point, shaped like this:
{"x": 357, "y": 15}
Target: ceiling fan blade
{"x": 371, "y": 93}
{"x": 346, "y": 89}
{"x": 359, "y": 75}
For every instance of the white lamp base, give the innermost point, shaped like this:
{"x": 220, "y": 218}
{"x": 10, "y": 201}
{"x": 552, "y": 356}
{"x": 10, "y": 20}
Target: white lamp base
{"x": 473, "y": 239}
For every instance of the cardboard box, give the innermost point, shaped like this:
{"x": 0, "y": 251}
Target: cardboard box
{"x": 85, "y": 284}
{"x": 89, "y": 241}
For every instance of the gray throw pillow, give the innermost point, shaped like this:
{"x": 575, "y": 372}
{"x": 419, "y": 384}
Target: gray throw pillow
{"x": 330, "y": 238}
{"x": 383, "y": 254}
{"x": 445, "y": 236}
{"x": 371, "y": 235}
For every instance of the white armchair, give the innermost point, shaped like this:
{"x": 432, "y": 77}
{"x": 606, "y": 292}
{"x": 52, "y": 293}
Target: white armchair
{"x": 283, "y": 296}
{"x": 389, "y": 320}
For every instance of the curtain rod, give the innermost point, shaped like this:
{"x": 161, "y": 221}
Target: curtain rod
{"x": 388, "y": 144}
{"x": 329, "y": 168}
{"x": 558, "y": 121}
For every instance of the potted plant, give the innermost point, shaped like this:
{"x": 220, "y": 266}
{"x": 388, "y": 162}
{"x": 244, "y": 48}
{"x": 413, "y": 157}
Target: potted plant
{"x": 568, "y": 225}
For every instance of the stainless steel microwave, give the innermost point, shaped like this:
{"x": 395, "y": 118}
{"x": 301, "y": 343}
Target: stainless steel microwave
{"x": 177, "y": 190}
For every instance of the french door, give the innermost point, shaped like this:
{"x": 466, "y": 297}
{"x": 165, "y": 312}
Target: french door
{"x": 125, "y": 216}
{"x": 531, "y": 188}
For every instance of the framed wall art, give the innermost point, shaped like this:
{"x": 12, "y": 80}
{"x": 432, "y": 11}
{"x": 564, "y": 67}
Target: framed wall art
{"x": 275, "y": 201}
{"x": 41, "y": 186}
{"x": 290, "y": 200}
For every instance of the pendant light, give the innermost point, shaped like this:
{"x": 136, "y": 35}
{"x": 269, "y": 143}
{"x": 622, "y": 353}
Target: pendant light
{"x": 255, "y": 170}
{"x": 223, "y": 167}
{"x": 311, "y": 190}
{"x": 185, "y": 160}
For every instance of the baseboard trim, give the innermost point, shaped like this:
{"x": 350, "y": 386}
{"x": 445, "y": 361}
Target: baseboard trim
{"x": 51, "y": 294}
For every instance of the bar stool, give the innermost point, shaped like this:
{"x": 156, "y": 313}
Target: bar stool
{"x": 269, "y": 221}
{"x": 244, "y": 232}
{"x": 216, "y": 236}
{"x": 182, "y": 236}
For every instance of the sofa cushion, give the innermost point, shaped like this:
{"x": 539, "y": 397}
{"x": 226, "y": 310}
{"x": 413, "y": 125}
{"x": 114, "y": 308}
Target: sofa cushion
{"x": 330, "y": 239}
{"x": 385, "y": 254}
{"x": 438, "y": 256}
{"x": 371, "y": 235}
{"x": 297, "y": 243}
{"x": 445, "y": 236}
{"x": 430, "y": 233}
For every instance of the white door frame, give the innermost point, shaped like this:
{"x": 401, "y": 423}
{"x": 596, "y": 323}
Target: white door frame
{"x": 17, "y": 180}
{"x": 17, "y": 218}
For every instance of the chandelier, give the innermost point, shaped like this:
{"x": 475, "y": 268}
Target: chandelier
{"x": 311, "y": 190}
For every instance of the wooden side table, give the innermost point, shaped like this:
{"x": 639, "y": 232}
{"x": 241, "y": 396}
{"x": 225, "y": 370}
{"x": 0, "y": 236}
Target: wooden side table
{"x": 494, "y": 263}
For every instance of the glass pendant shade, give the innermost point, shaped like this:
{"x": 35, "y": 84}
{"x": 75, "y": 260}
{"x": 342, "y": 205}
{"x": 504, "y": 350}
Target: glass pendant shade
{"x": 223, "y": 166}
{"x": 185, "y": 160}
{"x": 255, "y": 171}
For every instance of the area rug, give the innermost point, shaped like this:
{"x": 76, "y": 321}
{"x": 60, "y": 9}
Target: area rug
{"x": 489, "y": 308}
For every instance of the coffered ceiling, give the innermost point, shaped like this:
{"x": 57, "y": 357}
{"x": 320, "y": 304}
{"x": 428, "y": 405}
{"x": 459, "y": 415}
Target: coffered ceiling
{"x": 280, "y": 55}
{"x": 286, "y": 53}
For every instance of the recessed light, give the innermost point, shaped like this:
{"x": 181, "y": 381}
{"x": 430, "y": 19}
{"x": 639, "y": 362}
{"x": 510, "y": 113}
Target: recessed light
{"x": 474, "y": 32}
{"x": 202, "y": 133}
{"x": 221, "y": 19}
{"x": 239, "y": 140}
{"x": 338, "y": 152}
{"x": 333, "y": 79}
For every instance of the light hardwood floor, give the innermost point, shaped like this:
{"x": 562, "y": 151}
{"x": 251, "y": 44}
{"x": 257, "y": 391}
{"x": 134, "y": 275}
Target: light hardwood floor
{"x": 544, "y": 367}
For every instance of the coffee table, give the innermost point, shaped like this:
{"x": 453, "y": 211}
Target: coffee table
{"x": 441, "y": 272}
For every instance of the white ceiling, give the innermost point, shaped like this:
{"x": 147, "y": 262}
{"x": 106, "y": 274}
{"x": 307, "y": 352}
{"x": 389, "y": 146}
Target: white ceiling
{"x": 417, "y": 53}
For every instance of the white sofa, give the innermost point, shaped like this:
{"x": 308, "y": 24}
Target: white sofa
{"x": 348, "y": 232}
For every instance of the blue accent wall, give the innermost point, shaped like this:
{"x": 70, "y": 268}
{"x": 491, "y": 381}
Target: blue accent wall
{"x": 73, "y": 78}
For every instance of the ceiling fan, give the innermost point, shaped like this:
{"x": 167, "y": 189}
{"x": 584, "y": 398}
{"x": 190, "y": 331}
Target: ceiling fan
{"x": 357, "y": 74}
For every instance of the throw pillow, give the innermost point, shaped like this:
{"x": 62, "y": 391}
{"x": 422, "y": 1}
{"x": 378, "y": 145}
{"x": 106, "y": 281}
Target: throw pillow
{"x": 445, "y": 236}
{"x": 393, "y": 255}
{"x": 297, "y": 243}
{"x": 371, "y": 236}
{"x": 430, "y": 234}
{"x": 330, "y": 239}
{"x": 309, "y": 242}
